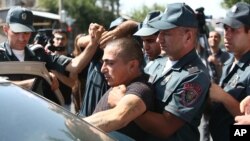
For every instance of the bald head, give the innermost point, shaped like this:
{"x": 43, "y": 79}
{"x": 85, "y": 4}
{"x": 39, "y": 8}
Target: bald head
{"x": 214, "y": 39}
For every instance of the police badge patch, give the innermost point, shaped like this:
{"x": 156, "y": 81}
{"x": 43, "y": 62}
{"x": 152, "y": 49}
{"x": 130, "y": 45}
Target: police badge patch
{"x": 234, "y": 81}
{"x": 190, "y": 94}
{"x": 24, "y": 16}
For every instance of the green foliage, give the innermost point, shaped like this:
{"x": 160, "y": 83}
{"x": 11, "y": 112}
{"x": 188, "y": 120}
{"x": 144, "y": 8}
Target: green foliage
{"x": 230, "y": 3}
{"x": 140, "y": 14}
{"x": 83, "y": 11}
{"x": 51, "y": 5}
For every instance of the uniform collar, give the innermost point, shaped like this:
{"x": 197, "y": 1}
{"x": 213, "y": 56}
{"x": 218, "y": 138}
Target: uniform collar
{"x": 28, "y": 53}
{"x": 185, "y": 59}
{"x": 242, "y": 62}
{"x": 7, "y": 48}
{"x": 244, "y": 59}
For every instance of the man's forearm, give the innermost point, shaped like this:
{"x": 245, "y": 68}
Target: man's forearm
{"x": 232, "y": 105}
{"x": 80, "y": 62}
{"x": 27, "y": 84}
{"x": 104, "y": 120}
{"x": 161, "y": 125}
{"x": 128, "y": 109}
{"x": 69, "y": 81}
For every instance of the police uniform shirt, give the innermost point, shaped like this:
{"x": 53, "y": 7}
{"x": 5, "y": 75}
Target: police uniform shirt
{"x": 56, "y": 62}
{"x": 183, "y": 91}
{"x": 235, "y": 80}
{"x": 155, "y": 67}
{"x": 6, "y": 54}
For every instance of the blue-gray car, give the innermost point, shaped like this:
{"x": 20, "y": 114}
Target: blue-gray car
{"x": 28, "y": 116}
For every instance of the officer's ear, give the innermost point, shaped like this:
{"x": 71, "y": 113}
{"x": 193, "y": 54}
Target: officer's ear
{"x": 188, "y": 35}
{"x": 5, "y": 28}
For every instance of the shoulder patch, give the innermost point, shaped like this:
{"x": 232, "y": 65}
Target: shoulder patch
{"x": 190, "y": 94}
{"x": 193, "y": 69}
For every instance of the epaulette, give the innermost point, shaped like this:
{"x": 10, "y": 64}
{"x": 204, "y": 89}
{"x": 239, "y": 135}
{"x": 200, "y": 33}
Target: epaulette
{"x": 193, "y": 69}
{"x": 2, "y": 49}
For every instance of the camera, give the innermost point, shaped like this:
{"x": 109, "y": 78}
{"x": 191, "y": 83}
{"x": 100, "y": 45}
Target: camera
{"x": 53, "y": 48}
{"x": 45, "y": 37}
{"x": 201, "y": 17}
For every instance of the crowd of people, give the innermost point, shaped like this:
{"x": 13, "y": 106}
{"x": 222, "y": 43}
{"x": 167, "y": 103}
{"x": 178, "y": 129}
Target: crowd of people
{"x": 147, "y": 81}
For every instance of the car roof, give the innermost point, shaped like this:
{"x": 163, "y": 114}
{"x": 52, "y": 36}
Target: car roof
{"x": 34, "y": 68}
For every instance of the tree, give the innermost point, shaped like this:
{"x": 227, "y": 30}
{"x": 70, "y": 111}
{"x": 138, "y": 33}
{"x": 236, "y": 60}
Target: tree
{"x": 230, "y": 3}
{"x": 111, "y": 5}
{"x": 140, "y": 14}
{"x": 84, "y": 11}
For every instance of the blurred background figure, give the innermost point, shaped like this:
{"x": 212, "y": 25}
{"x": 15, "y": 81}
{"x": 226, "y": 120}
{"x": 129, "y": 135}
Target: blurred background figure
{"x": 60, "y": 42}
{"x": 80, "y": 42}
{"x": 217, "y": 57}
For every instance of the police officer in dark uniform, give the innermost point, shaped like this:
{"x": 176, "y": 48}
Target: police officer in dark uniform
{"x": 18, "y": 30}
{"x": 234, "y": 83}
{"x": 182, "y": 91}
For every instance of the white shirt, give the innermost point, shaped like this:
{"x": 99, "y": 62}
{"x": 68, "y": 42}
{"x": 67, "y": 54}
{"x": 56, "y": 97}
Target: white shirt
{"x": 19, "y": 54}
{"x": 168, "y": 66}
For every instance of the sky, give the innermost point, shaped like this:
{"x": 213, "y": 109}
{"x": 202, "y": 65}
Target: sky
{"x": 212, "y": 7}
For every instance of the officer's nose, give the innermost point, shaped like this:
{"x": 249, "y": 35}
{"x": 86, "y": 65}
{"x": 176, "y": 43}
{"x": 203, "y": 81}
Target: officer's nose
{"x": 104, "y": 68}
{"x": 160, "y": 37}
{"x": 21, "y": 36}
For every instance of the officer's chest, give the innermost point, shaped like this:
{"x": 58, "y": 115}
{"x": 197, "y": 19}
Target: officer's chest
{"x": 237, "y": 82}
{"x": 165, "y": 86}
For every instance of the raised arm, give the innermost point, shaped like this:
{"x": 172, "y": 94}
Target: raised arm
{"x": 126, "y": 28}
{"x": 81, "y": 61}
{"x": 69, "y": 81}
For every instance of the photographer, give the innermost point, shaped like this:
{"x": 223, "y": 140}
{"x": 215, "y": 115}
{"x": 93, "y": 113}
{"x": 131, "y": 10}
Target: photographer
{"x": 60, "y": 42}
{"x": 59, "y": 47}
{"x": 54, "y": 42}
